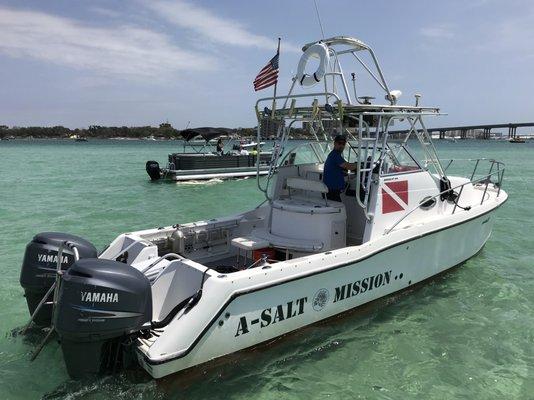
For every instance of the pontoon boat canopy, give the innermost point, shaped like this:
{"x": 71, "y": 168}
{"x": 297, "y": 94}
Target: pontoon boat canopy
{"x": 207, "y": 133}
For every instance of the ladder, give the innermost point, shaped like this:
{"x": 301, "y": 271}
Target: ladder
{"x": 366, "y": 151}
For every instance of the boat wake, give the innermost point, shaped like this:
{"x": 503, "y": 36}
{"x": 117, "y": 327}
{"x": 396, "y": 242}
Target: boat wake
{"x": 213, "y": 181}
{"x": 33, "y": 335}
{"x": 121, "y": 386}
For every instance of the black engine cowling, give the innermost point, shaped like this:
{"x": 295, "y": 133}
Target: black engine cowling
{"x": 38, "y": 271}
{"x": 153, "y": 170}
{"x": 101, "y": 303}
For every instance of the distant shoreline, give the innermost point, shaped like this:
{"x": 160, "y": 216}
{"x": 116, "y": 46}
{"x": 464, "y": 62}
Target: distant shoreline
{"x": 164, "y": 132}
{"x": 127, "y": 139}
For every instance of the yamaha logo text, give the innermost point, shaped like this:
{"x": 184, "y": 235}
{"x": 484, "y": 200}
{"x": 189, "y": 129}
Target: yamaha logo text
{"x": 51, "y": 258}
{"x": 99, "y": 297}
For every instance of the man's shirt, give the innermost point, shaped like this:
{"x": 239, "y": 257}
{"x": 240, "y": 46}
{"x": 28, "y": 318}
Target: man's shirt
{"x": 333, "y": 176}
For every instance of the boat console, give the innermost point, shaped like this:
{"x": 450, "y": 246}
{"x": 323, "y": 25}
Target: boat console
{"x": 301, "y": 221}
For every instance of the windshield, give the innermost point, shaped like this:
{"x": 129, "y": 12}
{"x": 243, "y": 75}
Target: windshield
{"x": 306, "y": 153}
{"x": 316, "y": 152}
{"x": 397, "y": 159}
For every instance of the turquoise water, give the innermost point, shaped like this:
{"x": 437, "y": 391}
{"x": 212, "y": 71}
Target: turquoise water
{"x": 468, "y": 334}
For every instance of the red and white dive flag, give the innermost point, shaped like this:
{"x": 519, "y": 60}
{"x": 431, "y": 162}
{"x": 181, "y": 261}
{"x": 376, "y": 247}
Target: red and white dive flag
{"x": 268, "y": 75}
{"x": 394, "y": 196}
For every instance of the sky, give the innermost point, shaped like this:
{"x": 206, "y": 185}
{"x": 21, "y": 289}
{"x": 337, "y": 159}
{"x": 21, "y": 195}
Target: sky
{"x": 142, "y": 62}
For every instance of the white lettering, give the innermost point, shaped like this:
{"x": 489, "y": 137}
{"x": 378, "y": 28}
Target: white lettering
{"x": 100, "y": 297}
{"x": 51, "y": 258}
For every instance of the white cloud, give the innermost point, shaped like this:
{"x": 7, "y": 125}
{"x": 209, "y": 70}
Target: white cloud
{"x": 211, "y": 26}
{"x": 123, "y": 50}
{"x": 437, "y": 32}
{"x": 106, "y": 12}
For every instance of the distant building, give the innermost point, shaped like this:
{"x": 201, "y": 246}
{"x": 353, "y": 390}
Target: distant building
{"x": 331, "y": 127}
{"x": 269, "y": 127}
{"x": 466, "y": 134}
{"x": 165, "y": 125}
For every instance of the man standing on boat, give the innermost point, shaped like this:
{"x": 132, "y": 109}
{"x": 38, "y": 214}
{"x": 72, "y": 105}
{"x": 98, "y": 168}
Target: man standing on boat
{"x": 334, "y": 168}
{"x": 220, "y": 147}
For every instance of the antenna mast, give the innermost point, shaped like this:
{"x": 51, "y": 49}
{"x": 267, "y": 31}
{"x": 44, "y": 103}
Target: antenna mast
{"x": 319, "y": 17}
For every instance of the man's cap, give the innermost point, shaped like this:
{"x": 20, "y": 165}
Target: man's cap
{"x": 340, "y": 138}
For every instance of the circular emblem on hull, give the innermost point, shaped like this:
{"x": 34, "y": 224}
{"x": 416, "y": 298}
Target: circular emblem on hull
{"x": 320, "y": 299}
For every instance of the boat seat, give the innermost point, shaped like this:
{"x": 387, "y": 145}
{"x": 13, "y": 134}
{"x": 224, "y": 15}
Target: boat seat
{"x": 289, "y": 226}
{"x": 288, "y": 243}
{"x": 306, "y": 185}
{"x": 249, "y": 243}
{"x": 260, "y": 239}
{"x": 300, "y": 205}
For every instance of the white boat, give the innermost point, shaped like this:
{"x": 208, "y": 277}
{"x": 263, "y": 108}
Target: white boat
{"x": 516, "y": 139}
{"x": 239, "y": 160}
{"x": 183, "y": 295}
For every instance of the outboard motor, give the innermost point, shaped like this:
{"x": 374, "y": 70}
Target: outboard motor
{"x": 153, "y": 170}
{"x": 39, "y": 266}
{"x": 101, "y": 304}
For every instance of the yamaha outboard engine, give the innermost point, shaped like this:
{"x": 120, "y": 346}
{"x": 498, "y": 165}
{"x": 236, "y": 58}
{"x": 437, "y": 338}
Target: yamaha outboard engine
{"x": 39, "y": 266}
{"x": 101, "y": 305}
{"x": 153, "y": 170}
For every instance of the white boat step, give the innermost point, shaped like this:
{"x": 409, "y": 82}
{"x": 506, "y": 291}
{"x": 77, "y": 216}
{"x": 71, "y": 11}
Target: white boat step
{"x": 287, "y": 243}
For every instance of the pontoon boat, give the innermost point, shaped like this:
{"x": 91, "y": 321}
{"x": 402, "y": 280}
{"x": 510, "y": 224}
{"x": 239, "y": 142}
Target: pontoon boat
{"x": 201, "y": 164}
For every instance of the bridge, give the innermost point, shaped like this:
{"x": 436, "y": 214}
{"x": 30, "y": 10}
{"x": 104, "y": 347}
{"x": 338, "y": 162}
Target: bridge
{"x": 486, "y": 129}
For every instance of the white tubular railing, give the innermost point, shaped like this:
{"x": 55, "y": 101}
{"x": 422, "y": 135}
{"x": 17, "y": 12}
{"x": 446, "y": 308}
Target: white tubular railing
{"x": 165, "y": 257}
{"x": 485, "y": 179}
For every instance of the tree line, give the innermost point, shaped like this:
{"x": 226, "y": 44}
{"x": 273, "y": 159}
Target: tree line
{"x": 94, "y": 131}
{"x": 164, "y": 131}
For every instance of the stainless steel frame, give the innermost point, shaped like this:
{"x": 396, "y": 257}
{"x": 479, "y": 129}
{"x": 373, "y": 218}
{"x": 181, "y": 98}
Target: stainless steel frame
{"x": 373, "y": 120}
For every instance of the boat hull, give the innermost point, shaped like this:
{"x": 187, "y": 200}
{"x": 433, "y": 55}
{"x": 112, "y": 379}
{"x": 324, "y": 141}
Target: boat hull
{"x": 222, "y": 173}
{"x": 257, "y": 315}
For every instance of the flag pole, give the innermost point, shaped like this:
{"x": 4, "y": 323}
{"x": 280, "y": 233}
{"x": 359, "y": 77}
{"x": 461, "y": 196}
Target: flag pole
{"x": 276, "y": 83}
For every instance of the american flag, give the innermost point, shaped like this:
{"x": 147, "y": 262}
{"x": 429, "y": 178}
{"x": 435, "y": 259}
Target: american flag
{"x": 268, "y": 75}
